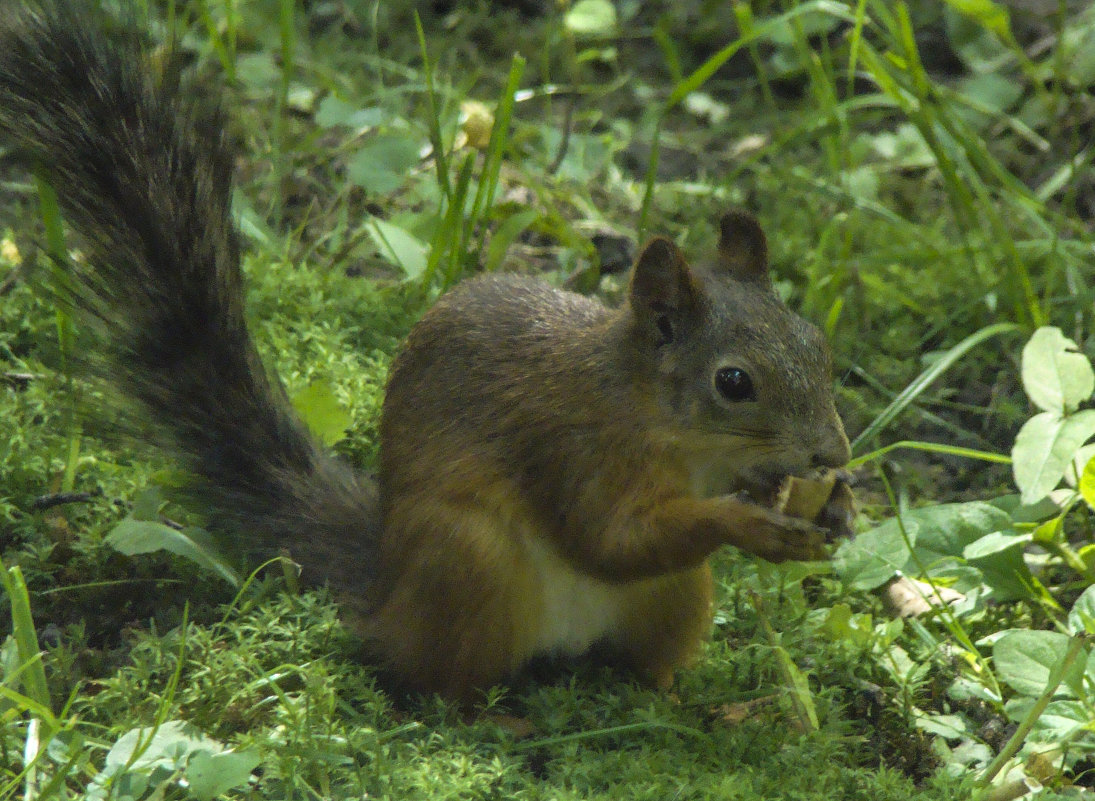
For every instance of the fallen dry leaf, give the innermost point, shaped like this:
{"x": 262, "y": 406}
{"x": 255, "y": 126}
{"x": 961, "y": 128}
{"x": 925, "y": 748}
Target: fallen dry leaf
{"x": 906, "y": 597}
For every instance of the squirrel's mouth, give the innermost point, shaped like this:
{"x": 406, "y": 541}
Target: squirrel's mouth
{"x": 763, "y": 487}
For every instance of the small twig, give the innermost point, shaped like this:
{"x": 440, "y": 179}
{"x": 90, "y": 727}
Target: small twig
{"x": 31, "y": 750}
{"x": 44, "y": 502}
{"x": 19, "y": 380}
{"x": 564, "y": 143}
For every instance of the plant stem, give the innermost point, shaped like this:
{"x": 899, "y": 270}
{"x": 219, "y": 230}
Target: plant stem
{"x": 1055, "y": 677}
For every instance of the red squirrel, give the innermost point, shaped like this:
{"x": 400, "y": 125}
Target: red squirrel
{"x": 554, "y": 473}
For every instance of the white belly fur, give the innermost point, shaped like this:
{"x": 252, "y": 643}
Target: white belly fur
{"x": 576, "y": 610}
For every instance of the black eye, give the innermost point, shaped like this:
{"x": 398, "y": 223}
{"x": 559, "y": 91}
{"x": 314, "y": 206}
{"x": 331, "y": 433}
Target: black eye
{"x": 734, "y": 384}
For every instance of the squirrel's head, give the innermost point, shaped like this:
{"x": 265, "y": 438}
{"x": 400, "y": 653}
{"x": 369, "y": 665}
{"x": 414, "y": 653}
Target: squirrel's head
{"x": 744, "y": 384}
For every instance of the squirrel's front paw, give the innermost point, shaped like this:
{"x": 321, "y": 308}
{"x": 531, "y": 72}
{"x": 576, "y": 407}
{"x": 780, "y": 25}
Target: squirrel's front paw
{"x": 838, "y": 514}
{"x": 827, "y": 500}
{"x": 778, "y": 538}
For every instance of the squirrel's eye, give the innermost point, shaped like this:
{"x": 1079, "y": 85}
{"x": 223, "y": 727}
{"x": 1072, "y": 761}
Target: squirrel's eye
{"x": 734, "y": 384}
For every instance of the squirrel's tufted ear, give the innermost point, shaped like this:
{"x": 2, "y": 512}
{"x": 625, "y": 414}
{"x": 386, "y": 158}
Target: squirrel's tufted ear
{"x": 664, "y": 292}
{"x": 743, "y": 249}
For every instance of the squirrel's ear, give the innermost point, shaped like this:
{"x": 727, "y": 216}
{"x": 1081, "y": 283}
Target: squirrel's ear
{"x": 663, "y": 289}
{"x": 743, "y": 250}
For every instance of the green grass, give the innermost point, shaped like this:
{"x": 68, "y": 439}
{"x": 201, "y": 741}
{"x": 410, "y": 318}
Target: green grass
{"x": 928, "y": 214}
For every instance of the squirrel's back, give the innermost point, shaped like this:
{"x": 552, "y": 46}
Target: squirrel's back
{"x": 488, "y": 335}
{"x": 528, "y": 380}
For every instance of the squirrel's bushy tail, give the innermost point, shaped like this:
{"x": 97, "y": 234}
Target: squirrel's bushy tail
{"x": 143, "y": 171}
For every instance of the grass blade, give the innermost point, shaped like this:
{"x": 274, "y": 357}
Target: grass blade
{"x": 499, "y": 136}
{"x": 703, "y": 73}
{"x": 26, "y": 638}
{"x": 930, "y": 447}
{"x": 920, "y": 384}
{"x": 440, "y": 157}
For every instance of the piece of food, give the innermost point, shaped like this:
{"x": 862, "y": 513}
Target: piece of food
{"x": 805, "y": 497}
{"x": 476, "y": 122}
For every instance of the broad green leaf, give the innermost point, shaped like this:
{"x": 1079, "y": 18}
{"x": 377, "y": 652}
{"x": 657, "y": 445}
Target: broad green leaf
{"x": 258, "y": 70}
{"x": 1019, "y": 512}
{"x": 69, "y": 744}
{"x": 211, "y": 775}
{"x": 382, "y": 165}
{"x": 321, "y": 412}
{"x": 969, "y": 754}
{"x": 992, "y": 92}
{"x": 861, "y": 183}
{"x": 1060, "y": 721}
{"x": 1055, "y": 376}
{"x": 172, "y": 742}
{"x": 1087, "y": 483}
{"x": 1079, "y": 461}
{"x": 999, "y": 557}
{"x": 399, "y": 246}
{"x": 977, "y": 47}
{"x": 301, "y": 99}
{"x": 591, "y": 18}
{"x": 145, "y": 757}
{"x": 1024, "y": 660}
{"x": 992, "y": 544}
{"x": 335, "y": 111}
{"x": 128, "y": 786}
{"x": 1048, "y": 532}
{"x": 841, "y": 624}
{"x": 1077, "y": 40}
{"x": 950, "y": 727}
{"x": 968, "y": 688}
{"x": 1087, "y": 554}
{"x": 814, "y": 23}
{"x": 1081, "y": 618}
{"x": 903, "y": 147}
{"x": 133, "y": 537}
{"x": 988, "y": 14}
{"x": 988, "y": 96}
{"x": 872, "y": 558}
{"x": 948, "y": 528}
{"x": 1044, "y": 449}
{"x": 148, "y": 503}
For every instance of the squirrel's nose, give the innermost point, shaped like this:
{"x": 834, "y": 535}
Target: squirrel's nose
{"x": 833, "y": 451}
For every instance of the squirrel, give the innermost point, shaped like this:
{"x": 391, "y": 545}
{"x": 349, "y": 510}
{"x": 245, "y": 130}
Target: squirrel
{"x": 553, "y": 473}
